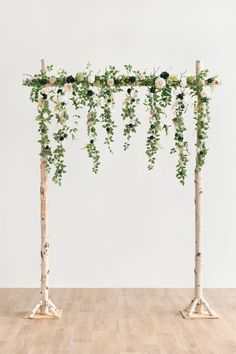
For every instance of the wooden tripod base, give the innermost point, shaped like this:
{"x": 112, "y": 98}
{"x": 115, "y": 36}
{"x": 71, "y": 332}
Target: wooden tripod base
{"x": 39, "y": 316}
{"x": 44, "y": 310}
{"x": 195, "y": 315}
{"x": 198, "y": 308}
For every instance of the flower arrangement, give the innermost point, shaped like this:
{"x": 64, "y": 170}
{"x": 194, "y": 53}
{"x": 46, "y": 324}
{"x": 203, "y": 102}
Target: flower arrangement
{"x": 56, "y": 92}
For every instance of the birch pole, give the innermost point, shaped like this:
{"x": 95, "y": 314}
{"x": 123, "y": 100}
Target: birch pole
{"x": 44, "y": 225}
{"x": 198, "y": 222}
{"x": 199, "y": 307}
{"x": 45, "y": 307}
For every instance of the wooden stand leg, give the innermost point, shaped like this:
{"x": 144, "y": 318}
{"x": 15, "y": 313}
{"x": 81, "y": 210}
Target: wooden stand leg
{"x": 199, "y": 308}
{"x": 44, "y": 308}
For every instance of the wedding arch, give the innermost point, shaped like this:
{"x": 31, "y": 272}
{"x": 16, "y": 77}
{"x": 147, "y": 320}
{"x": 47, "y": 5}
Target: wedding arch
{"x": 56, "y": 94}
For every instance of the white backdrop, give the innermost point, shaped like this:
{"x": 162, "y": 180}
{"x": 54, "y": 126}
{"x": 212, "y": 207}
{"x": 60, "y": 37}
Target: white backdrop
{"x": 126, "y": 226}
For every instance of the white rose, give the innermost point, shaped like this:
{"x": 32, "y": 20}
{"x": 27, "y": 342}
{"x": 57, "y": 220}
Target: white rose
{"x": 160, "y": 83}
{"x": 206, "y": 92}
{"x": 68, "y": 87}
{"x": 110, "y": 82}
{"x": 133, "y": 94}
{"x": 60, "y": 69}
{"x": 45, "y": 115}
{"x": 91, "y": 78}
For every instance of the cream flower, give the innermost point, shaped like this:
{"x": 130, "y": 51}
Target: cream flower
{"x": 174, "y": 77}
{"x": 160, "y": 83}
{"x": 52, "y": 80}
{"x": 110, "y": 82}
{"x": 45, "y": 90}
{"x": 215, "y": 83}
{"x": 159, "y": 144}
{"x": 40, "y": 104}
{"x": 91, "y": 78}
{"x": 45, "y": 115}
{"x": 142, "y": 77}
{"x": 63, "y": 120}
{"x": 206, "y": 92}
{"x": 152, "y": 112}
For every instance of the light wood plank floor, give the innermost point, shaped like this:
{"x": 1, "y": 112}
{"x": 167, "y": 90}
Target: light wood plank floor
{"x": 117, "y": 321}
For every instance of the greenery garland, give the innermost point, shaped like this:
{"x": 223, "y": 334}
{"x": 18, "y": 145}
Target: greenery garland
{"x": 54, "y": 93}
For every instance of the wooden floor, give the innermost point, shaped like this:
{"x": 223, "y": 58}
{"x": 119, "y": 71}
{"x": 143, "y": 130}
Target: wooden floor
{"x": 117, "y": 321}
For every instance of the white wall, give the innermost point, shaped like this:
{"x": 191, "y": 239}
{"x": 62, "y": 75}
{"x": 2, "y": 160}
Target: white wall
{"x": 125, "y": 227}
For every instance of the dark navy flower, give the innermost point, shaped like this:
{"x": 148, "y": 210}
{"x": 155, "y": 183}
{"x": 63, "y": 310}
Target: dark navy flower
{"x": 164, "y": 75}
{"x": 132, "y": 79}
{"x": 44, "y": 96}
{"x": 70, "y": 79}
{"x": 180, "y": 96}
{"x": 90, "y": 93}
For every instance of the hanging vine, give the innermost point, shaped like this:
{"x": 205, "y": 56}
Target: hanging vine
{"x": 92, "y": 120}
{"x": 108, "y": 88}
{"x": 56, "y": 93}
{"x": 158, "y": 97}
{"x": 201, "y": 90}
{"x": 181, "y": 145}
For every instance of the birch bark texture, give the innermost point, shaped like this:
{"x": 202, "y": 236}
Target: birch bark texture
{"x": 198, "y": 222}
{"x": 45, "y": 307}
{"x": 199, "y": 307}
{"x": 44, "y": 224}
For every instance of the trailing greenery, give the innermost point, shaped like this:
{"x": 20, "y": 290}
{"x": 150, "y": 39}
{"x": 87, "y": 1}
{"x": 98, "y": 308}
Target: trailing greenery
{"x": 181, "y": 145}
{"x": 201, "y": 89}
{"x": 107, "y": 102}
{"x": 57, "y": 94}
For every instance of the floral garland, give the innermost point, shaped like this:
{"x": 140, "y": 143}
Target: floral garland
{"x": 57, "y": 92}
